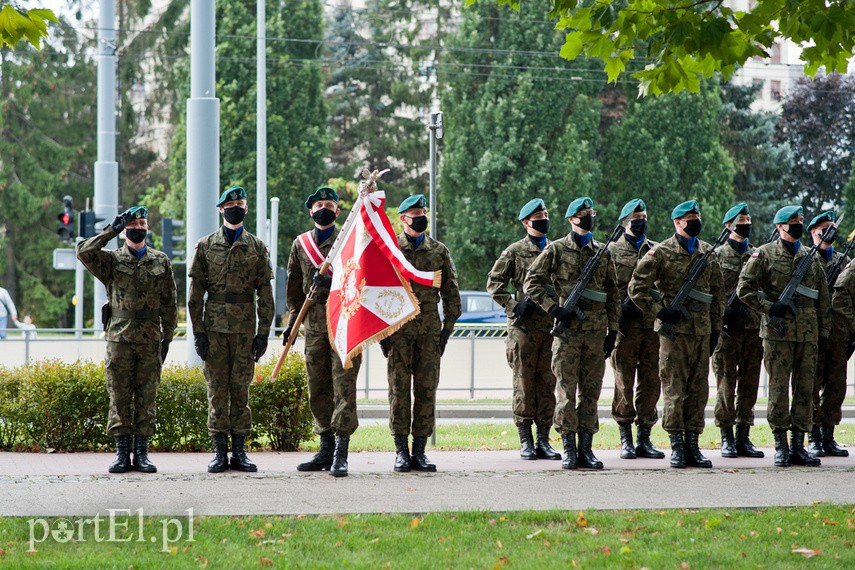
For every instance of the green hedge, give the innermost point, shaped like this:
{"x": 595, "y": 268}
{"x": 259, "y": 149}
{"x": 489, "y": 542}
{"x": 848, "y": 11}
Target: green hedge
{"x": 53, "y": 405}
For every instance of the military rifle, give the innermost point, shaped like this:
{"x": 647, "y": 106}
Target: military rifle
{"x": 688, "y": 287}
{"x": 581, "y": 287}
{"x": 833, "y": 272}
{"x": 795, "y": 283}
{"x": 733, "y": 301}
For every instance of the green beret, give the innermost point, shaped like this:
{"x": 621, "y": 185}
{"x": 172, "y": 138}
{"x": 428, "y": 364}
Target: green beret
{"x": 136, "y": 213}
{"x": 736, "y": 211}
{"x": 688, "y": 207}
{"x": 823, "y": 217}
{"x": 578, "y": 204}
{"x": 233, "y": 193}
{"x": 322, "y": 193}
{"x": 414, "y": 201}
{"x": 636, "y": 205}
{"x": 787, "y": 213}
{"x": 531, "y": 207}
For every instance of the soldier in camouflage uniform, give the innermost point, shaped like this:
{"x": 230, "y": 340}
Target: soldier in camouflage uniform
{"x": 829, "y": 386}
{"x": 529, "y": 344}
{"x": 737, "y": 358}
{"x": 636, "y": 354}
{"x": 142, "y": 315}
{"x": 578, "y": 357}
{"x": 233, "y": 267}
{"x": 791, "y": 354}
{"x": 415, "y": 349}
{"x": 683, "y": 359}
{"x": 332, "y": 388}
{"x": 843, "y": 306}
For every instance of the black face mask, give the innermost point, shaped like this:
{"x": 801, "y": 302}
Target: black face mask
{"x": 419, "y": 223}
{"x": 586, "y": 223}
{"x": 541, "y": 226}
{"x": 743, "y": 230}
{"x": 324, "y": 217}
{"x": 638, "y": 227}
{"x": 135, "y": 235}
{"x": 234, "y": 215}
{"x": 693, "y": 228}
{"x": 795, "y": 231}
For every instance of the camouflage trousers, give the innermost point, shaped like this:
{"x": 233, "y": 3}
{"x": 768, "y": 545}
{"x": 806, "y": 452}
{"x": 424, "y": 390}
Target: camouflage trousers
{"x": 578, "y": 366}
{"x": 829, "y": 388}
{"x": 635, "y": 361}
{"x": 332, "y": 389}
{"x": 132, "y": 374}
{"x": 228, "y": 373}
{"x": 529, "y": 356}
{"x": 736, "y": 363}
{"x": 684, "y": 367}
{"x": 789, "y": 362}
{"x": 413, "y": 370}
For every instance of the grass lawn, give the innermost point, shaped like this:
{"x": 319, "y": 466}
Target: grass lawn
{"x": 818, "y": 536}
{"x": 503, "y": 435}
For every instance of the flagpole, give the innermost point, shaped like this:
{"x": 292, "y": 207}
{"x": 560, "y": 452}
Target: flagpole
{"x": 366, "y": 187}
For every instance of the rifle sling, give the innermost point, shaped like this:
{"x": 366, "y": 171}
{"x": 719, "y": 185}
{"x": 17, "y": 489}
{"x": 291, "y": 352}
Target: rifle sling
{"x": 704, "y": 298}
{"x": 807, "y": 292}
{"x": 594, "y": 295}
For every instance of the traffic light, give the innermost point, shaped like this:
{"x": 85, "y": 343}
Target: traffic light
{"x": 65, "y": 228}
{"x": 87, "y": 224}
{"x": 171, "y": 238}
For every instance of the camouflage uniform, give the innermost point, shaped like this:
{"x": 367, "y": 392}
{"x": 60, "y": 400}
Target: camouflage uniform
{"x": 528, "y": 347}
{"x": 413, "y": 362}
{"x": 332, "y": 388}
{"x": 829, "y": 389}
{"x": 737, "y": 358}
{"x": 577, "y": 356}
{"x": 843, "y": 305}
{"x": 141, "y": 294}
{"x": 683, "y": 361}
{"x": 793, "y": 353}
{"x": 236, "y": 278}
{"x": 636, "y": 354}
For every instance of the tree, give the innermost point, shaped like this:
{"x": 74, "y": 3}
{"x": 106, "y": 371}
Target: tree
{"x": 683, "y": 41}
{"x": 17, "y": 24}
{"x": 666, "y": 150}
{"x": 818, "y": 122}
{"x": 517, "y": 129}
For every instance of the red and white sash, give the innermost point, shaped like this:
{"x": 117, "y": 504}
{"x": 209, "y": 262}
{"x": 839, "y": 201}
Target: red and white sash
{"x": 313, "y": 252}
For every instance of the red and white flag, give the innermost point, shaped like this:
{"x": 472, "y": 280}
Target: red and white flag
{"x": 370, "y": 297}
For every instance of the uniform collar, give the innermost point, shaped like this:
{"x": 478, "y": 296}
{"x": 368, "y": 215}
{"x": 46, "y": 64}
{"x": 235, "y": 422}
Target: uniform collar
{"x": 738, "y": 247}
{"x": 323, "y": 235}
{"x": 582, "y": 241}
{"x": 538, "y": 242}
{"x": 791, "y": 248}
{"x": 635, "y": 242}
{"x": 688, "y": 244}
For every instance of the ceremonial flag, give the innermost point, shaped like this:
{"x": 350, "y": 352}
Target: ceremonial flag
{"x": 370, "y": 297}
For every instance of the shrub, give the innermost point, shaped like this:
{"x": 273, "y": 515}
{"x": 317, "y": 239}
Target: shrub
{"x": 10, "y": 425}
{"x": 182, "y": 410}
{"x": 280, "y": 408}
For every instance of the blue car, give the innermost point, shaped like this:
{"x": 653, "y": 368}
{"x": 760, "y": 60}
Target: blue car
{"x": 479, "y": 307}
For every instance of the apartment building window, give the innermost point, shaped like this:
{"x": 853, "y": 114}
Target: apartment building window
{"x": 775, "y": 88}
{"x": 776, "y": 53}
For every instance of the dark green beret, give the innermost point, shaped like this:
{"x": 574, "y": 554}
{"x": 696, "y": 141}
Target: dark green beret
{"x": 233, "y": 193}
{"x": 823, "y": 217}
{"x": 787, "y": 213}
{"x": 636, "y": 205}
{"x": 736, "y": 211}
{"x": 414, "y": 201}
{"x": 322, "y": 193}
{"x": 531, "y": 207}
{"x": 136, "y": 213}
{"x": 687, "y": 207}
{"x": 578, "y": 204}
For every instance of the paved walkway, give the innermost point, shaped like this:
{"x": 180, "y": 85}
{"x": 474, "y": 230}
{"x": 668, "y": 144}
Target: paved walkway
{"x": 77, "y": 484}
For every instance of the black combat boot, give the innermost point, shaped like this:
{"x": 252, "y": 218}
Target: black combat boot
{"x": 541, "y": 446}
{"x": 418, "y": 461}
{"x": 694, "y": 457}
{"x": 141, "y": 462}
{"x": 645, "y": 448}
{"x": 240, "y": 462}
{"x": 782, "y": 448}
{"x": 526, "y": 441}
{"x": 122, "y": 464}
{"x": 323, "y": 458}
{"x": 220, "y": 462}
{"x": 815, "y": 442}
{"x": 586, "y": 455}
{"x": 627, "y": 450}
{"x": 743, "y": 445}
{"x": 728, "y": 447}
{"x": 798, "y": 454}
{"x": 831, "y": 447}
{"x": 339, "y": 464}
{"x": 571, "y": 459}
{"x": 678, "y": 451}
{"x": 402, "y": 457}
